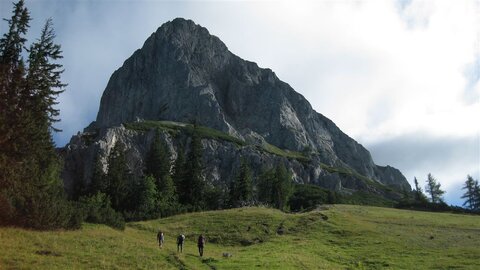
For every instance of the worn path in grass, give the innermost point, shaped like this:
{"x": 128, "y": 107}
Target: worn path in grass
{"x": 337, "y": 237}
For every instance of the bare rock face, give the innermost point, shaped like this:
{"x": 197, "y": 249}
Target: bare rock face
{"x": 184, "y": 74}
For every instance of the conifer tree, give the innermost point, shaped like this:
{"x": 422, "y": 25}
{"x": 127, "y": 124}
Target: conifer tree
{"x": 241, "y": 190}
{"x": 43, "y": 78}
{"x": 179, "y": 175}
{"x": 147, "y": 197}
{"x": 265, "y": 186}
{"x": 194, "y": 183}
{"x": 419, "y": 195}
{"x": 117, "y": 177}
{"x": 158, "y": 161}
{"x": 12, "y": 70}
{"x": 97, "y": 181}
{"x": 29, "y": 165}
{"x": 12, "y": 140}
{"x": 476, "y": 193}
{"x": 283, "y": 187}
{"x": 433, "y": 188}
{"x": 469, "y": 194}
{"x": 158, "y": 164}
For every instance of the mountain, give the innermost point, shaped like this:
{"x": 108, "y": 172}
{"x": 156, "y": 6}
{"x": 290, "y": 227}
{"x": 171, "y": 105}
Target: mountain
{"x": 183, "y": 74}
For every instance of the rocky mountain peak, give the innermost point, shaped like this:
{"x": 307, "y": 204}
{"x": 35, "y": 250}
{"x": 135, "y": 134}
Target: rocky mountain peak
{"x": 184, "y": 74}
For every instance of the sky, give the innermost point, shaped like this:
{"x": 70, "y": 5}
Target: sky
{"x": 400, "y": 77}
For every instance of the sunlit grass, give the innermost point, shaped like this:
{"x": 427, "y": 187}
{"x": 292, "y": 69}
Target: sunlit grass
{"x": 340, "y": 237}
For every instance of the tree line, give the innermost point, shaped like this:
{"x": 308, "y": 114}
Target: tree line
{"x": 169, "y": 187}
{"x": 432, "y": 198}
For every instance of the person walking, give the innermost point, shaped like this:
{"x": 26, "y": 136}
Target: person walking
{"x": 180, "y": 240}
{"x": 160, "y": 239}
{"x": 201, "y": 244}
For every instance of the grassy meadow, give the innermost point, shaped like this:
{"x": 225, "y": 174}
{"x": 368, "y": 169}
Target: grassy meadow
{"x": 333, "y": 237}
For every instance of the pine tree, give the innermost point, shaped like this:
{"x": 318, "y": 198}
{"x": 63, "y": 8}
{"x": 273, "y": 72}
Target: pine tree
{"x": 283, "y": 187}
{"x": 476, "y": 192}
{"x": 158, "y": 161}
{"x": 241, "y": 190}
{"x": 194, "y": 183}
{"x": 265, "y": 186}
{"x": 179, "y": 175}
{"x": 158, "y": 164}
{"x": 29, "y": 166}
{"x": 97, "y": 181}
{"x": 12, "y": 69}
{"x": 433, "y": 188}
{"x": 117, "y": 177}
{"x": 469, "y": 193}
{"x": 12, "y": 43}
{"x": 419, "y": 195}
{"x": 43, "y": 78}
{"x": 12, "y": 129}
{"x": 147, "y": 197}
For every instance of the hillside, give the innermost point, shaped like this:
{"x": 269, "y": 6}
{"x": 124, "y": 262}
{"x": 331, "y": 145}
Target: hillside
{"x": 337, "y": 237}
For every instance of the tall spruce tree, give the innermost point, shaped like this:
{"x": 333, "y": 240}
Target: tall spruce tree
{"x": 194, "y": 184}
{"x": 12, "y": 140}
{"x": 97, "y": 181}
{"x": 12, "y": 70}
{"x": 283, "y": 187}
{"x": 275, "y": 187}
{"x": 158, "y": 161}
{"x": 147, "y": 198}
{"x": 43, "y": 78}
{"x": 476, "y": 193}
{"x": 469, "y": 194}
{"x": 265, "y": 186}
{"x": 117, "y": 177}
{"x": 29, "y": 165}
{"x": 433, "y": 188}
{"x": 419, "y": 195}
{"x": 241, "y": 190}
{"x": 179, "y": 175}
{"x": 158, "y": 164}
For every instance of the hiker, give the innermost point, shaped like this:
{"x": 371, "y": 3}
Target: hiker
{"x": 200, "y": 244}
{"x": 180, "y": 240}
{"x": 160, "y": 238}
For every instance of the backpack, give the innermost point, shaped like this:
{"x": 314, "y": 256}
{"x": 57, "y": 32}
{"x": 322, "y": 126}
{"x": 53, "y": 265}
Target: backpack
{"x": 201, "y": 241}
{"x": 180, "y": 239}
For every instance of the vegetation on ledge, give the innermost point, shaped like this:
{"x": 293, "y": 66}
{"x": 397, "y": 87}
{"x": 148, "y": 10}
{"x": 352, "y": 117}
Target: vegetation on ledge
{"x": 174, "y": 127}
{"x": 209, "y": 133}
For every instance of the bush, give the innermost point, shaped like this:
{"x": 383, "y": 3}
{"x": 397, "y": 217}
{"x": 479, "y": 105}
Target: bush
{"x": 307, "y": 196}
{"x": 45, "y": 210}
{"x": 97, "y": 209}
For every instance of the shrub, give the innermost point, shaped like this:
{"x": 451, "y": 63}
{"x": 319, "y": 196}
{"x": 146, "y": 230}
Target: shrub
{"x": 97, "y": 209}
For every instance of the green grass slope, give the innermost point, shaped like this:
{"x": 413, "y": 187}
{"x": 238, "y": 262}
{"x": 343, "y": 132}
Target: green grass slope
{"x": 338, "y": 237}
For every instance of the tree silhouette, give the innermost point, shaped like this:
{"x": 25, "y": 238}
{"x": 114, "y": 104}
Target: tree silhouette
{"x": 469, "y": 194}
{"x": 433, "y": 188}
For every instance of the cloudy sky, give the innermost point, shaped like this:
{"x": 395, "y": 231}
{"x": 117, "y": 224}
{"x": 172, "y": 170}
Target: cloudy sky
{"x": 400, "y": 77}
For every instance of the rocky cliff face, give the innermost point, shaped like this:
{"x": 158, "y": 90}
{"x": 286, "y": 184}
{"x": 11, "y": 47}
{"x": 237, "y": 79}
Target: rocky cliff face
{"x": 184, "y": 74}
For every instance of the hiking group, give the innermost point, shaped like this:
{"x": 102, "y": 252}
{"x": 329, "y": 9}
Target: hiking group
{"x": 180, "y": 240}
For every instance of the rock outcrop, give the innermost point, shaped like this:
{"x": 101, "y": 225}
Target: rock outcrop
{"x": 184, "y": 74}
